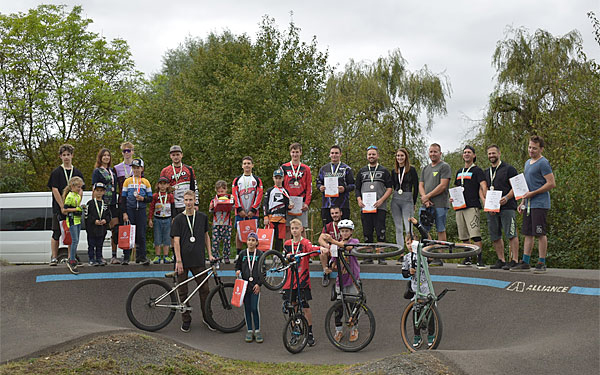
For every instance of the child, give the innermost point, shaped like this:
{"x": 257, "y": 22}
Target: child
{"x": 409, "y": 269}
{"x": 97, "y": 217}
{"x": 72, "y": 196}
{"x": 247, "y": 268}
{"x": 298, "y": 244}
{"x": 221, "y": 206}
{"x": 346, "y": 227}
{"x": 276, "y": 204}
{"x": 162, "y": 211}
{"x": 247, "y": 191}
{"x": 137, "y": 192}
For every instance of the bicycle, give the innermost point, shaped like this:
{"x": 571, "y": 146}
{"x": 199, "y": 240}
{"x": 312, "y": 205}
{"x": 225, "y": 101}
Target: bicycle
{"x": 152, "y": 303}
{"x": 422, "y": 314}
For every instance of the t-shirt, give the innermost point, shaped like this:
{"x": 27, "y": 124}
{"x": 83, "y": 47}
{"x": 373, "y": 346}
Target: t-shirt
{"x": 193, "y": 254}
{"x": 109, "y": 178}
{"x": 275, "y": 204}
{"x": 331, "y": 229}
{"x": 134, "y": 186}
{"x": 181, "y": 179}
{"x": 502, "y": 173}
{"x": 242, "y": 264}
{"x": 304, "y": 246}
{"x": 59, "y": 180}
{"x": 247, "y": 193}
{"x": 354, "y": 267}
{"x": 432, "y": 177}
{"x": 470, "y": 179}
{"x": 534, "y": 175}
{"x": 378, "y": 177}
{"x": 301, "y": 174}
{"x": 345, "y": 178}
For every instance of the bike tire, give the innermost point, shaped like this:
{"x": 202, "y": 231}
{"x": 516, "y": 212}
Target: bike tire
{"x": 295, "y": 333}
{"x": 460, "y": 250}
{"x": 220, "y": 313}
{"x": 366, "y": 328}
{"x": 376, "y": 250}
{"x": 268, "y": 266}
{"x": 140, "y": 309}
{"x": 408, "y": 331}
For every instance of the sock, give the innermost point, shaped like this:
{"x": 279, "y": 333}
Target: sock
{"x": 526, "y": 258}
{"x": 114, "y": 254}
{"x": 542, "y": 260}
{"x": 310, "y": 330}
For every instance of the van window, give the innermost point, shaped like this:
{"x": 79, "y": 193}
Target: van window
{"x": 21, "y": 219}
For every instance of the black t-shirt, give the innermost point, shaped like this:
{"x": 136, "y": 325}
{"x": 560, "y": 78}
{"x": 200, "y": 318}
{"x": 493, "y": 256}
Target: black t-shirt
{"x": 59, "y": 180}
{"x": 193, "y": 254}
{"x": 382, "y": 180}
{"x": 503, "y": 172}
{"x": 472, "y": 179}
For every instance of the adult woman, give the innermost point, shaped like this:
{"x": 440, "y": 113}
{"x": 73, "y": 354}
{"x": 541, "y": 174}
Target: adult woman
{"x": 107, "y": 175}
{"x": 404, "y": 197}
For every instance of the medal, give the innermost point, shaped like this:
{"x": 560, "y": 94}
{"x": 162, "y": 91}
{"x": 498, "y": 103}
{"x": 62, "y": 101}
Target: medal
{"x": 296, "y": 183}
{"x": 400, "y": 191}
{"x": 371, "y": 186}
{"x": 192, "y": 239}
{"x": 67, "y": 177}
{"x": 135, "y": 193}
{"x": 400, "y": 179}
{"x": 191, "y": 226}
{"x": 251, "y": 278}
{"x": 372, "y": 176}
{"x": 492, "y": 176}
{"x": 491, "y": 188}
{"x": 295, "y": 173}
{"x": 251, "y": 265}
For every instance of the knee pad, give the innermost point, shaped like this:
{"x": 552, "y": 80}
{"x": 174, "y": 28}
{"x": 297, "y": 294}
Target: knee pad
{"x": 476, "y": 239}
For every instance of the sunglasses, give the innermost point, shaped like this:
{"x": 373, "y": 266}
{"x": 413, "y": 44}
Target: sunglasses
{"x": 126, "y": 151}
{"x": 372, "y": 148}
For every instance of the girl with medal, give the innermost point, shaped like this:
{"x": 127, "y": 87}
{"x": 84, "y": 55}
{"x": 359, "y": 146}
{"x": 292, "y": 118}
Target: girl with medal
{"x": 406, "y": 186}
{"x": 162, "y": 209}
{"x": 72, "y": 196}
{"x": 246, "y": 268}
{"x": 107, "y": 175}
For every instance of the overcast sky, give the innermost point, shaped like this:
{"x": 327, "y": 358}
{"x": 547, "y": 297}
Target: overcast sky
{"x": 454, "y": 37}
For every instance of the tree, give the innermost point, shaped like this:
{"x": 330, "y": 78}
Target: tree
{"x": 59, "y": 82}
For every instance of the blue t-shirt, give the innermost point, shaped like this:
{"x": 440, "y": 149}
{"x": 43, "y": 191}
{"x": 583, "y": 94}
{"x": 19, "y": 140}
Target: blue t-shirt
{"x": 534, "y": 175}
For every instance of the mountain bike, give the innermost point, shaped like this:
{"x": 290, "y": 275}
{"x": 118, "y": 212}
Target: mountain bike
{"x": 152, "y": 303}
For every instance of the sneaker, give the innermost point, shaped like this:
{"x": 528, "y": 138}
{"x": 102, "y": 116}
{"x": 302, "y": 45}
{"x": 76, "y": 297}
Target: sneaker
{"x": 509, "y": 265}
{"x": 156, "y": 260}
{"x": 208, "y": 325}
{"x": 417, "y": 341}
{"x": 436, "y": 263}
{"x": 367, "y": 261}
{"x": 125, "y": 262}
{"x": 138, "y": 260}
{"x": 310, "y": 260}
{"x": 498, "y": 265}
{"x": 465, "y": 263}
{"x": 168, "y": 260}
{"x": 311, "y": 339}
{"x": 258, "y": 337}
{"x": 170, "y": 274}
{"x": 481, "y": 265}
{"x": 102, "y": 262}
{"x": 325, "y": 281}
{"x": 354, "y": 335}
{"x": 72, "y": 264}
{"x": 338, "y": 336}
{"x": 53, "y": 262}
{"x": 144, "y": 262}
{"x": 92, "y": 262}
{"x": 521, "y": 267}
{"x": 430, "y": 340}
{"x": 540, "y": 268}
{"x": 249, "y": 336}
{"x": 382, "y": 262}
{"x": 226, "y": 260}
{"x": 114, "y": 260}
{"x": 185, "y": 326}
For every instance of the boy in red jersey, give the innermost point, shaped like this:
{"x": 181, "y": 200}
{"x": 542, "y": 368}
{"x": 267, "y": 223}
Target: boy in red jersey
{"x": 297, "y": 181}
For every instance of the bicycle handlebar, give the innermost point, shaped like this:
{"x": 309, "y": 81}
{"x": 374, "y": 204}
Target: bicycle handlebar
{"x": 437, "y": 242}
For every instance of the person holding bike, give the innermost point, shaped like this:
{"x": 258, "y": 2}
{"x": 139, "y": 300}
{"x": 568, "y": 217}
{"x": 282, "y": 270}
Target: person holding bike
{"x": 247, "y": 270}
{"x": 192, "y": 242}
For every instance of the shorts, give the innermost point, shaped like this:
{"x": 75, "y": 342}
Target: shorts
{"x": 114, "y": 211}
{"x": 467, "y": 221}
{"x": 162, "y": 231}
{"x": 303, "y": 218}
{"x": 440, "y": 217}
{"x": 305, "y": 296}
{"x": 534, "y": 224}
{"x": 55, "y": 227}
{"x": 503, "y": 220}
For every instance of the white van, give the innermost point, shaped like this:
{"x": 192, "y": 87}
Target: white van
{"x": 26, "y": 229}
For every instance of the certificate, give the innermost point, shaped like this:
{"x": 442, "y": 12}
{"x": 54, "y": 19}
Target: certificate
{"x": 458, "y": 198}
{"x": 297, "y": 202}
{"x": 519, "y": 185}
{"x": 331, "y": 187}
{"x": 369, "y": 200}
{"x": 492, "y": 201}
{"x": 333, "y": 249}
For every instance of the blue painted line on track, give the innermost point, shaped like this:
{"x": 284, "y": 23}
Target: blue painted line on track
{"x": 584, "y": 291}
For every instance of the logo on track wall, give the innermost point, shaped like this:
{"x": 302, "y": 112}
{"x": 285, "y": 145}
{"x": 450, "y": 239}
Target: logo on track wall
{"x": 521, "y": 287}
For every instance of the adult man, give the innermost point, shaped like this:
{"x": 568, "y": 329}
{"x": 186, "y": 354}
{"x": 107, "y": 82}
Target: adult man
{"x": 181, "y": 177}
{"x": 297, "y": 181}
{"x": 192, "y": 242}
{"x": 124, "y": 170}
{"x": 345, "y": 184}
{"x": 59, "y": 178}
{"x": 247, "y": 191}
{"x": 497, "y": 178}
{"x": 332, "y": 230}
{"x": 471, "y": 179}
{"x": 433, "y": 189}
{"x": 373, "y": 184}
{"x": 535, "y": 204}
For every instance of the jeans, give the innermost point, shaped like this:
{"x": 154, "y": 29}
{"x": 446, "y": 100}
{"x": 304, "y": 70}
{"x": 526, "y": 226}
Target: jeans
{"x": 251, "y": 302}
{"x": 74, "y": 230}
{"x": 137, "y": 217}
{"x": 95, "y": 244}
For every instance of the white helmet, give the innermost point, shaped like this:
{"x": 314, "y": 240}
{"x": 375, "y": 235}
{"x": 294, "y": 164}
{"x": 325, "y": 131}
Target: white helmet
{"x": 346, "y": 224}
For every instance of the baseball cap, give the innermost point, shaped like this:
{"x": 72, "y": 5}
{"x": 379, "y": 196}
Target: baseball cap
{"x": 163, "y": 179}
{"x": 137, "y": 163}
{"x": 175, "y": 148}
{"x": 278, "y": 172}
{"x": 253, "y": 235}
{"x": 99, "y": 185}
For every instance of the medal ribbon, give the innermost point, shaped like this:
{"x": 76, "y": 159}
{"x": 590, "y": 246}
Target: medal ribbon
{"x": 101, "y": 210}
{"x": 160, "y": 198}
{"x": 139, "y": 185}
{"x": 192, "y": 224}
{"x": 251, "y": 265}
{"x": 283, "y": 192}
{"x": 335, "y": 232}
{"x": 334, "y": 174}
{"x": 462, "y": 180}
{"x": 492, "y": 176}
{"x": 400, "y": 179}
{"x": 112, "y": 179}
{"x": 297, "y": 247}
{"x": 372, "y": 174}
{"x": 65, "y": 172}
{"x": 295, "y": 172}
{"x": 175, "y": 174}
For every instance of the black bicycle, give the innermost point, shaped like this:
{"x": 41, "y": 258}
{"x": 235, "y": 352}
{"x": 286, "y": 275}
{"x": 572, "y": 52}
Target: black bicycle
{"x": 152, "y": 303}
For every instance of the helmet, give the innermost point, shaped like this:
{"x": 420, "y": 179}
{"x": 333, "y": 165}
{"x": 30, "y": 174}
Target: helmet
{"x": 346, "y": 224}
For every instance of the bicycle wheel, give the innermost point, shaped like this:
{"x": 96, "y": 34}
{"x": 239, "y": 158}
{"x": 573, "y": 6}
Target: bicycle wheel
{"x": 433, "y": 322}
{"x": 376, "y": 250}
{"x": 271, "y": 272}
{"x": 295, "y": 333}
{"x": 142, "y": 309}
{"x": 220, "y": 313}
{"x": 362, "y": 321}
{"x": 459, "y": 250}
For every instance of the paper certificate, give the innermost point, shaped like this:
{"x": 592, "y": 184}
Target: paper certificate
{"x": 519, "y": 185}
{"x": 331, "y": 187}
{"x": 333, "y": 249}
{"x": 458, "y": 199}
{"x": 297, "y": 202}
{"x": 369, "y": 200}
{"x": 492, "y": 201}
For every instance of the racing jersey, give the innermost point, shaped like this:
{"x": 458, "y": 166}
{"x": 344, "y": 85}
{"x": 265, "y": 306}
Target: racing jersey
{"x": 275, "y": 204}
{"x": 345, "y": 178}
{"x": 247, "y": 193}
{"x": 297, "y": 180}
{"x": 304, "y": 246}
{"x": 182, "y": 179}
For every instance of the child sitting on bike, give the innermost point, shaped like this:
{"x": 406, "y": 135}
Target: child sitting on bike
{"x": 346, "y": 228}
{"x": 409, "y": 269}
{"x": 247, "y": 269}
{"x": 297, "y": 244}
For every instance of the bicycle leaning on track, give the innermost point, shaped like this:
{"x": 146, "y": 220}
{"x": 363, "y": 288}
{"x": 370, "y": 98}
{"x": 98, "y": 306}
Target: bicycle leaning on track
{"x": 421, "y": 317}
{"x": 152, "y": 303}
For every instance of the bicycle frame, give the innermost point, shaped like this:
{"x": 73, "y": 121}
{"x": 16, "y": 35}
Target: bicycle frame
{"x": 360, "y": 296}
{"x": 428, "y": 298}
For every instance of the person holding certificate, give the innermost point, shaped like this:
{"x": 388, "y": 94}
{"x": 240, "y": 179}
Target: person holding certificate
{"x": 335, "y": 181}
{"x": 497, "y": 178}
{"x": 373, "y": 188}
{"x": 247, "y": 191}
{"x": 472, "y": 181}
{"x": 404, "y": 196}
{"x": 297, "y": 181}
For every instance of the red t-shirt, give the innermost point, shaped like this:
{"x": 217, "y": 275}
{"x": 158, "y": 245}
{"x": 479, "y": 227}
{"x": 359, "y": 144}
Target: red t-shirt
{"x": 304, "y": 246}
{"x": 300, "y": 174}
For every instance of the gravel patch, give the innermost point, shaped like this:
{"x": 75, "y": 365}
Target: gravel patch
{"x": 405, "y": 363}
